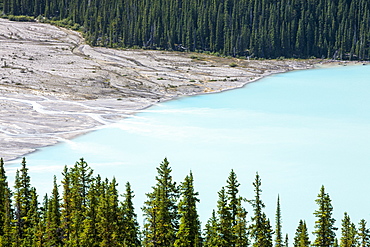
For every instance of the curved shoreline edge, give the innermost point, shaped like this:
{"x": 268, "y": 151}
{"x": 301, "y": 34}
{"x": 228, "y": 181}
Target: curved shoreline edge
{"x": 54, "y": 87}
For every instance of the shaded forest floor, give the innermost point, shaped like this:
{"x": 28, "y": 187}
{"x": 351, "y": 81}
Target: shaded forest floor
{"x": 53, "y": 86}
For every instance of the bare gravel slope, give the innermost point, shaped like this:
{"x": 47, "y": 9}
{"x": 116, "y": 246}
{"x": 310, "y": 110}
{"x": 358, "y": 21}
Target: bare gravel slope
{"x": 53, "y": 86}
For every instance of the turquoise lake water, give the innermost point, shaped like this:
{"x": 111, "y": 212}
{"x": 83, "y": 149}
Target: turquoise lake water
{"x": 298, "y": 130}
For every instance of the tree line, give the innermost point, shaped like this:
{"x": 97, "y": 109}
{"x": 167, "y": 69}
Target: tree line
{"x": 338, "y": 29}
{"x": 89, "y": 212}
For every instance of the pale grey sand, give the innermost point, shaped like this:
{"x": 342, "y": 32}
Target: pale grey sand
{"x": 53, "y": 86}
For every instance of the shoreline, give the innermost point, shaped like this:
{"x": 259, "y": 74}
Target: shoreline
{"x": 54, "y": 86}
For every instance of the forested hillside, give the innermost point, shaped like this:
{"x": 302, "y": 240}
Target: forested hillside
{"x": 338, "y": 29}
{"x": 88, "y": 212}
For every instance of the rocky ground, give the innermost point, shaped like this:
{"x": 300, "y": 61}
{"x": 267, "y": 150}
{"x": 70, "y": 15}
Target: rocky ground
{"x": 53, "y": 86}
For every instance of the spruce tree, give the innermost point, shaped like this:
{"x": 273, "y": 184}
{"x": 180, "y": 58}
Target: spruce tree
{"x": 324, "y": 225}
{"x": 189, "y": 234}
{"x": 349, "y": 232}
{"x": 278, "y": 233}
{"x": 240, "y": 229}
{"x": 237, "y": 213}
{"x": 108, "y": 214}
{"x": 211, "y": 233}
{"x": 81, "y": 179}
{"x": 301, "y": 238}
{"x": 129, "y": 228}
{"x": 232, "y": 195}
{"x": 286, "y": 241}
{"x": 6, "y": 209}
{"x": 66, "y": 206}
{"x": 160, "y": 210}
{"x": 224, "y": 219}
{"x": 363, "y": 234}
{"x": 22, "y": 203}
{"x": 53, "y": 218}
{"x": 260, "y": 229}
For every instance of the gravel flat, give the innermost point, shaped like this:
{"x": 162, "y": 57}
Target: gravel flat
{"x": 53, "y": 86}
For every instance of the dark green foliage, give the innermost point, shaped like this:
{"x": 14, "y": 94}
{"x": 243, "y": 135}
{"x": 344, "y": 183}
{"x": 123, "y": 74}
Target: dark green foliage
{"x": 349, "y": 233}
{"x": 129, "y": 223}
{"x": 89, "y": 213}
{"x": 278, "y": 233}
{"x": 261, "y": 230}
{"x": 229, "y": 226}
{"x": 25, "y": 199}
{"x": 363, "y": 234}
{"x": 211, "y": 234}
{"x": 265, "y": 29}
{"x": 6, "y": 210}
{"x": 324, "y": 225}
{"x": 301, "y": 238}
{"x": 189, "y": 233}
{"x": 286, "y": 241}
{"x": 160, "y": 210}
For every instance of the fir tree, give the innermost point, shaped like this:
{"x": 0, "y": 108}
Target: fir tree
{"x": 189, "y": 234}
{"x": 224, "y": 220}
{"x": 278, "y": 233}
{"x": 22, "y": 203}
{"x": 324, "y": 225}
{"x": 301, "y": 238}
{"x": 6, "y": 209}
{"x": 260, "y": 229}
{"x": 160, "y": 209}
{"x": 80, "y": 182}
{"x": 108, "y": 213}
{"x": 240, "y": 229}
{"x": 286, "y": 241}
{"x": 363, "y": 234}
{"x": 53, "y": 218}
{"x": 237, "y": 213}
{"x": 130, "y": 227}
{"x": 66, "y": 209}
{"x": 349, "y": 233}
{"x": 211, "y": 237}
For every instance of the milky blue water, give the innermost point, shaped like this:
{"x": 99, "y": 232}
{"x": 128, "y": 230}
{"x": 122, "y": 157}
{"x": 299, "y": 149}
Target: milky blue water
{"x": 298, "y": 130}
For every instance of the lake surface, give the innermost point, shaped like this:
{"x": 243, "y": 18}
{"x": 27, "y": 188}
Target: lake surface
{"x": 298, "y": 130}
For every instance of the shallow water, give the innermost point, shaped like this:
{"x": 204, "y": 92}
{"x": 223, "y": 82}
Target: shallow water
{"x": 298, "y": 130}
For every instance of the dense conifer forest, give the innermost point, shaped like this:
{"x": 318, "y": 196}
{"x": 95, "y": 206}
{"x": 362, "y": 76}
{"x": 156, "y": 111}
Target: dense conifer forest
{"x": 338, "y": 29}
{"x": 87, "y": 210}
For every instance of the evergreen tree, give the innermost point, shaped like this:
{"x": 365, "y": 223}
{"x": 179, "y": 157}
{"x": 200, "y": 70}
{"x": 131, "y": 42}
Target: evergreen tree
{"x": 286, "y": 242}
{"x": 260, "y": 229}
{"x": 264, "y": 29}
{"x": 363, "y": 234}
{"x": 324, "y": 225}
{"x": 224, "y": 220}
{"x": 278, "y": 233}
{"x": 32, "y": 219}
{"x": 108, "y": 213}
{"x": 22, "y": 203}
{"x": 240, "y": 229}
{"x": 349, "y": 233}
{"x": 66, "y": 209}
{"x": 189, "y": 234}
{"x": 237, "y": 213}
{"x": 232, "y": 195}
{"x": 6, "y": 210}
{"x": 301, "y": 238}
{"x": 211, "y": 237}
{"x": 130, "y": 227}
{"x": 53, "y": 218}
{"x": 160, "y": 209}
{"x": 81, "y": 179}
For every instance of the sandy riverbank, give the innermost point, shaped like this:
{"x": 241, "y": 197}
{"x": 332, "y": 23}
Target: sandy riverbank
{"x": 53, "y": 86}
